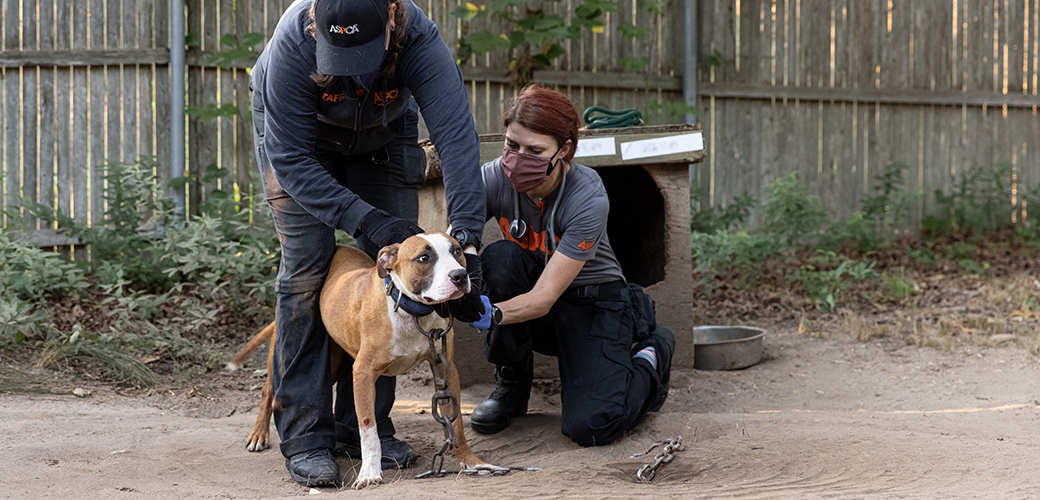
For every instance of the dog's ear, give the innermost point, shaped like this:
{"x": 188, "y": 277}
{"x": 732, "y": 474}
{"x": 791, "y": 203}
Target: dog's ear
{"x": 386, "y": 259}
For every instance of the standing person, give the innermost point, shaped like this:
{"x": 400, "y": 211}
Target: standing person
{"x": 557, "y": 287}
{"x": 335, "y": 102}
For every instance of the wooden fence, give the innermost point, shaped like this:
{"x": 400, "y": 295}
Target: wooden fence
{"x": 835, "y": 90}
{"x": 831, "y": 89}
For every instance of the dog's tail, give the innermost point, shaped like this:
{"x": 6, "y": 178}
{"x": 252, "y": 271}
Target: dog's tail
{"x": 251, "y": 346}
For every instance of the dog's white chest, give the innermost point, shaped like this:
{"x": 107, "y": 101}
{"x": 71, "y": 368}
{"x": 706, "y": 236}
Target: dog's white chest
{"x": 409, "y": 346}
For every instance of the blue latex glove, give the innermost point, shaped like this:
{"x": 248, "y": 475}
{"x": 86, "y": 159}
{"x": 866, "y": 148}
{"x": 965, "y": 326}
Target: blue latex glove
{"x": 484, "y": 323}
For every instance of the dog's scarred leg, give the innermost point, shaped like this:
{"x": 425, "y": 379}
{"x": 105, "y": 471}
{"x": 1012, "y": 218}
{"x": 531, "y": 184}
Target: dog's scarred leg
{"x": 364, "y": 402}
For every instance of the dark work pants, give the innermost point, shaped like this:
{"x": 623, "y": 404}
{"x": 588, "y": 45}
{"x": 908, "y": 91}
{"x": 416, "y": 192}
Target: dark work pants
{"x": 604, "y": 391}
{"x": 303, "y": 411}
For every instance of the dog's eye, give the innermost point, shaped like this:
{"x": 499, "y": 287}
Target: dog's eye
{"x": 422, "y": 258}
{"x": 456, "y": 251}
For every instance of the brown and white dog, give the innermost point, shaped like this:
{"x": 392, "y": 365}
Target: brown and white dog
{"x": 365, "y": 320}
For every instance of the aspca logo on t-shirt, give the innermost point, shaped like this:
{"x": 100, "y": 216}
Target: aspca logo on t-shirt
{"x": 344, "y": 30}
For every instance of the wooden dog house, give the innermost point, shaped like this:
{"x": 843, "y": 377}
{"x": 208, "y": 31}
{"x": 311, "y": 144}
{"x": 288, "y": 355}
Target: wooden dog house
{"x": 646, "y": 173}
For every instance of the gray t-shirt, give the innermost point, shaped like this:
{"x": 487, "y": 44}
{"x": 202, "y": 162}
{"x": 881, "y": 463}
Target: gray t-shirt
{"x": 581, "y": 220}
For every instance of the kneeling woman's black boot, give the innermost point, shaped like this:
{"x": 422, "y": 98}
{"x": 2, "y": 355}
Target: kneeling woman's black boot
{"x": 509, "y": 399}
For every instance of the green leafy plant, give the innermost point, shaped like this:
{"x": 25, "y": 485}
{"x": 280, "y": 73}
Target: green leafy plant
{"x": 741, "y": 253}
{"x": 924, "y": 256}
{"x": 978, "y": 206}
{"x": 32, "y": 274}
{"x": 711, "y": 219}
{"x": 897, "y": 285}
{"x": 212, "y": 111}
{"x": 972, "y": 266}
{"x": 238, "y": 48}
{"x": 536, "y": 35}
{"x": 959, "y": 250}
{"x": 888, "y": 207}
{"x": 855, "y": 232}
{"x": 791, "y": 213}
{"x": 826, "y": 286}
{"x": 715, "y": 59}
{"x": 662, "y": 112}
{"x": 21, "y": 322}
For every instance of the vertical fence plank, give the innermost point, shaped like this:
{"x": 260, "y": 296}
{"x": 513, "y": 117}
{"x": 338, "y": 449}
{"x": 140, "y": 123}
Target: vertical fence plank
{"x": 244, "y": 157}
{"x": 113, "y": 83}
{"x": 64, "y": 118}
{"x": 145, "y": 72}
{"x": 97, "y": 135}
{"x": 30, "y": 115}
{"x": 226, "y": 84}
{"x": 12, "y": 106}
{"x": 48, "y": 103}
{"x": 79, "y": 174}
{"x": 161, "y": 91}
{"x": 196, "y": 91}
{"x": 129, "y": 75}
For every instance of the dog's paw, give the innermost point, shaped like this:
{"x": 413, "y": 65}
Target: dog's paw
{"x": 369, "y": 481}
{"x": 257, "y": 442}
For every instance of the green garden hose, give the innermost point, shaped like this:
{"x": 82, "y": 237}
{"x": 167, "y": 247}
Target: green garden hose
{"x": 612, "y": 119}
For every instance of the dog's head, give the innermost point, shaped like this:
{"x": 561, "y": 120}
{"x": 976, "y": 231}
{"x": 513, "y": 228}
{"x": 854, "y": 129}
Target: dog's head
{"x": 428, "y": 268}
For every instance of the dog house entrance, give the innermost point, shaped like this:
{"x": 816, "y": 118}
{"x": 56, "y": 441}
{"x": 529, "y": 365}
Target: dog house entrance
{"x": 636, "y": 224}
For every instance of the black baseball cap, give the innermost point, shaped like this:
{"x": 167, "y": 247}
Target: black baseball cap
{"x": 351, "y": 35}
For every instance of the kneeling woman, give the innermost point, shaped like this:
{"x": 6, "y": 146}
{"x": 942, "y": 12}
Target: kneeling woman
{"x": 557, "y": 287}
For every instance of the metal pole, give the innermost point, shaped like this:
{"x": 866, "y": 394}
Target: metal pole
{"x": 690, "y": 66}
{"x": 177, "y": 104}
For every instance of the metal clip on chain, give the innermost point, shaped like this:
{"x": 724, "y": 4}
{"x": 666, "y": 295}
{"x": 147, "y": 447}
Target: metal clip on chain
{"x": 647, "y": 472}
{"x": 442, "y": 395}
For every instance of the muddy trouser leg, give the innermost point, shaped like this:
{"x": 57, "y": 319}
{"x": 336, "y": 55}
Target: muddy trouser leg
{"x": 301, "y": 381}
{"x": 388, "y": 179}
{"x": 603, "y": 393}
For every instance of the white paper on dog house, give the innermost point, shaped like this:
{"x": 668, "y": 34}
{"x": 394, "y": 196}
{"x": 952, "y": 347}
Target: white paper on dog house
{"x": 600, "y": 146}
{"x": 662, "y": 146}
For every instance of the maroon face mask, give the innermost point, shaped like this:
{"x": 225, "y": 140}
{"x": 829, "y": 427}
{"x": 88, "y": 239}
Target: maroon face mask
{"x": 525, "y": 172}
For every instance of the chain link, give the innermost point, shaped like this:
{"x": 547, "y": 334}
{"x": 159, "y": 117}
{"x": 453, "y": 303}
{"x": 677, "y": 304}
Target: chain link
{"x": 667, "y": 454}
{"x": 441, "y": 396}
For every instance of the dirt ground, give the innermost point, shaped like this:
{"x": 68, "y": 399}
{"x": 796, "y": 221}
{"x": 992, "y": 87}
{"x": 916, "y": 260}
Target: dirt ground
{"x": 816, "y": 418}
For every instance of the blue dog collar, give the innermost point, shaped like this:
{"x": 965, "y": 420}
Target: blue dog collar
{"x": 400, "y": 301}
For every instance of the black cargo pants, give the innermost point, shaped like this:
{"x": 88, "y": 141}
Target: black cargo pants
{"x": 591, "y": 330}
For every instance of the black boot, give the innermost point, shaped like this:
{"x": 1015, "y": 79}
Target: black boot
{"x": 509, "y": 399}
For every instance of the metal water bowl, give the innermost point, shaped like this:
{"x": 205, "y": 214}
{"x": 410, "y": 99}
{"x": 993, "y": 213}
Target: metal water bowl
{"x": 726, "y": 347}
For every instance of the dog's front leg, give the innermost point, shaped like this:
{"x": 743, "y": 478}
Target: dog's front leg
{"x": 365, "y": 403}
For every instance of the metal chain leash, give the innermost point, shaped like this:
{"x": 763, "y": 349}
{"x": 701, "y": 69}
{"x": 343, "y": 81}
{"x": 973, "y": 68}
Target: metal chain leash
{"x": 668, "y": 448}
{"x": 441, "y": 396}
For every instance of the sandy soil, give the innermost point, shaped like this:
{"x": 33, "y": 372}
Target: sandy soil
{"x": 817, "y": 418}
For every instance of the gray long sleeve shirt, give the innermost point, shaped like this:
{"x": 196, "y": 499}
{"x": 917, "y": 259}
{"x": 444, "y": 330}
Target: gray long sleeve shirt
{"x": 294, "y": 117}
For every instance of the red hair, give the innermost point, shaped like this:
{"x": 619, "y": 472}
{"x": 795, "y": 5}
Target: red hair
{"x": 546, "y": 112}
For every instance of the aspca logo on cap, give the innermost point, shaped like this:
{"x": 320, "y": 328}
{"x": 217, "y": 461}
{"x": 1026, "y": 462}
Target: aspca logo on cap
{"x": 344, "y": 30}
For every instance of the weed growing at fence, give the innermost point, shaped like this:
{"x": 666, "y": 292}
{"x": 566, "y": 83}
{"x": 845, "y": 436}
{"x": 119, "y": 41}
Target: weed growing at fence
{"x": 825, "y": 283}
{"x": 151, "y": 288}
{"x": 796, "y": 247}
{"x": 977, "y": 207}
